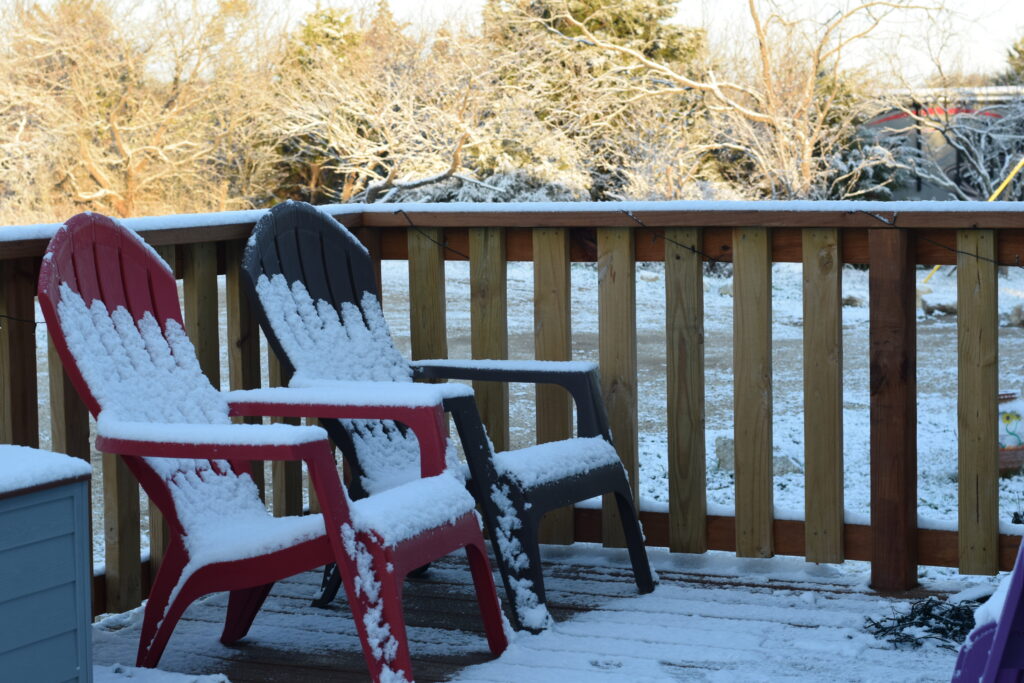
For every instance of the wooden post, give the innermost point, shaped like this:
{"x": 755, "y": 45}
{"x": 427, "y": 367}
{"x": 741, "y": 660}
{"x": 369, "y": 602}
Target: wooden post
{"x": 286, "y": 475}
{"x": 616, "y": 276}
{"x": 552, "y": 340}
{"x": 893, "y": 344}
{"x": 158, "y": 532}
{"x": 427, "y": 312}
{"x": 977, "y": 412}
{"x": 69, "y": 418}
{"x": 370, "y": 237}
{"x": 488, "y": 293}
{"x": 201, "y": 309}
{"x": 121, "y": 527}
{"x": 684, "y": 341}
{"x": 243, "y": 340}
{"x": 752, "y": 365}
{"x": 823, "y": 396}
{"x": 19, "y": 416}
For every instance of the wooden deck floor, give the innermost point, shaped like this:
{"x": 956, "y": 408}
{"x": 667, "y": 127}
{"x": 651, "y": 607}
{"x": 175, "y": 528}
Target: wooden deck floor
{"x": 292, "y": 641}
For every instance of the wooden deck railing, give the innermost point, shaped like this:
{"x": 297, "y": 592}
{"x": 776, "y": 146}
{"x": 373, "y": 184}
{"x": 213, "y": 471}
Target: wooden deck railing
{"x": 891, "y": 238}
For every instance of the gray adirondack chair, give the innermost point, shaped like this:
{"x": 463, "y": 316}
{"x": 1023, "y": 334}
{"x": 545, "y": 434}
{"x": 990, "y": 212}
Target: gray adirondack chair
{"x": 314, "y": 292}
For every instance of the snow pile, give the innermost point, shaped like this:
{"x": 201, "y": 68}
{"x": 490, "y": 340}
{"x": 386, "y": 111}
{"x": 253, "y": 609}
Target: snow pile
{"x": 118, "y": 673}
{"x": 356, "y": 348}
{"x": 547, "y": 462}
{"x": 320, "y": 344}
{"x": 401, "y": 513}
{"x": 22, "y": 467}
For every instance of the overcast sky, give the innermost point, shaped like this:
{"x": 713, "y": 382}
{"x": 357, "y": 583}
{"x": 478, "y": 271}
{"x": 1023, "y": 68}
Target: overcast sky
{"x": 987, "y": 27}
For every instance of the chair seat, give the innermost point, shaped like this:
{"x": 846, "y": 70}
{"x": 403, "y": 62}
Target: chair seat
{"x": 223, "y": 526}
{"x": 548, "y": 462}
{"x": 405, "y": 511}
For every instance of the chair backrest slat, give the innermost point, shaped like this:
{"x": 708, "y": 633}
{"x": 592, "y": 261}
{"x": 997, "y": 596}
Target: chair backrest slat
{"x": 318, "y": 305}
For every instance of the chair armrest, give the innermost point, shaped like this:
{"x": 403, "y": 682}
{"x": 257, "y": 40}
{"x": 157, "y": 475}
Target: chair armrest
{"x": 531, "y": 371}
{"x": 579, "y": 378}
{"x": 209, "y": 441}
{"x": 419, "y": 407}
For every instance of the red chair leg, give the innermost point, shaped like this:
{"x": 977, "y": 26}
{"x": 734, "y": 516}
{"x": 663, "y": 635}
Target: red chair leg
{"x": 243, "y": 605}
{"x": 149, "y": 656}
{"x": 156, "y": 606}
{"x": 377, "y": 611}
{"x": 490, "y": 608}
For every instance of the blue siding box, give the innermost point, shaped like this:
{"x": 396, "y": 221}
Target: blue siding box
{"x": 45, "y": 577}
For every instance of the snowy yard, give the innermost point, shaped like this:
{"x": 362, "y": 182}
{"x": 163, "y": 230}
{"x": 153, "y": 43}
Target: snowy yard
{"x": 713, "y": 618}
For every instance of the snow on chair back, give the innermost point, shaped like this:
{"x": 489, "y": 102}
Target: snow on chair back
{"x": 318, "y": 298}
{"x": 114, "y": 302}
{"x": 994, "y": 649}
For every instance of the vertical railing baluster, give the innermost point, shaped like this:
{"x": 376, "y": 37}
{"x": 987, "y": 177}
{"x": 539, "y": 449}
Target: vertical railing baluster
{"x": 752, "y": 372}
{"x": 427, "y": 310}
{"x": 243, "y": 340}
{"x": 893, "y": 344}
{"x": 823, "y": 395}
{"x": 977, "y": 412}
{"x": 684, "y": 341}
{"x": 552, "y": 339}
{"x": 286, "y": 475}
{"x": 19, "y": 404}
{"x": 616, "y": 276}
{"x": 488, "y": 292}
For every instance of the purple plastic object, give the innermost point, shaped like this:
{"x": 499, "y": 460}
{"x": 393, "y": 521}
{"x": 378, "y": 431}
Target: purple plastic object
{"x": 994, "y": 652}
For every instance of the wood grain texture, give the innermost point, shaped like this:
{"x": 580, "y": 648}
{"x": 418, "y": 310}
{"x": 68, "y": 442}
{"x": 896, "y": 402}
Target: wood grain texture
{"x": 684, "y": 341}
{"x": 823, "y": 395}
{"x": 552, "y": 340}
{"x": 243, "y": 341}
{"x": 201, "y": 308}
{"x": 488, "y": 313}
{"x": 977, "y": 411}
{"x": 69, "y": 418}
{"x": 427, "y": 311}
{"x": 893, "y": 370}
{"x": 121, "y": 541}
{"x": 752, "y": 368}
{"x": 19, "y": 417}
{"x": 616, "y": 277}
{"x": 285, "y": 475}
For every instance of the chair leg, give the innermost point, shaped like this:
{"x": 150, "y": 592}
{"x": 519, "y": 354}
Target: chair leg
{"x": 243, "y": 605}
{"x": 158, "y": 620}
{"x": 490, "y": 608}
{"x": 634, "y": 541}
{"x": 517, "y": 552}
{"x": 329, "y": 586}
{"x": 377, "y": 610}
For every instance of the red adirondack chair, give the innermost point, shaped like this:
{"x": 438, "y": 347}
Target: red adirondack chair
{"x": 111, "y": 306}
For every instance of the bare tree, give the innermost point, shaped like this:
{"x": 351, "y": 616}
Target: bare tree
{"x": 126, "y": 112}
{"x": 961, "y": 151}
{"x": 779, "y": 117}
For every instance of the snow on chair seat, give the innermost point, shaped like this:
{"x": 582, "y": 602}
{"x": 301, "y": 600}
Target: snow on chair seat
{"x": 549, "y": 462}
{"x": 401, "y": 513}
{"x": 111, "y": 306}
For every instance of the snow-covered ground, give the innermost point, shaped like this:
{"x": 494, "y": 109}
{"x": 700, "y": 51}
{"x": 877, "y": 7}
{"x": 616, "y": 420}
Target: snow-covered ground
{"x": 714, "y": 617}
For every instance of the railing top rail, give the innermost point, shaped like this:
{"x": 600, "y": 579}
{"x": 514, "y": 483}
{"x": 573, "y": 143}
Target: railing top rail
{"x": 20, "y": 241}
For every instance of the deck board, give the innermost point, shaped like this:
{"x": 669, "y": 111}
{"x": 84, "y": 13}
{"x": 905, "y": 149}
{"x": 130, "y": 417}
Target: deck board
{"x": 293, "y": 641}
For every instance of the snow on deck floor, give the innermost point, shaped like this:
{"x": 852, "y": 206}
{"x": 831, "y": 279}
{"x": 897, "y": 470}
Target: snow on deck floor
{"x": 714, "y": 617}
